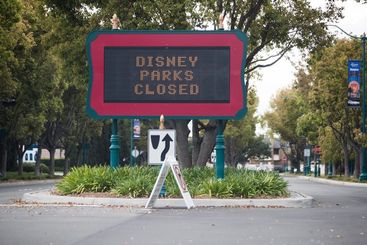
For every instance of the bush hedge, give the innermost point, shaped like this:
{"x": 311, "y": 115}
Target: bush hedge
{"x": 139, "y": 182}
{"x": 29, "y": 167}
{"x": 59, "y": 164}
{"x": 11, "y": 176}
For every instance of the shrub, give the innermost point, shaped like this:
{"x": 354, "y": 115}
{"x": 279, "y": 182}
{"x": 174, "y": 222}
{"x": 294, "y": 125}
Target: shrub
{"x": 134, "y": 182}
{"x": 139, "y": 182}
{"x": 25, "y": 176}
{"x": 87, "y": 179}
{"x": 29, "y": 167}
{"x": 59, "y": 163}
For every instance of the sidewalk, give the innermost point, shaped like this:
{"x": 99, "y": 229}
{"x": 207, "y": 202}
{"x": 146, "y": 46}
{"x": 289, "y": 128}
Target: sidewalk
{"x": 333, "y": 182}
{"x": 45, "y": 197}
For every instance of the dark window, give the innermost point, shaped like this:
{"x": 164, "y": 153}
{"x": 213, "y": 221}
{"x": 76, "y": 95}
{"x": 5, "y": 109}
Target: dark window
{"x": 276, "y": 151}
{"x": 142, "y": 74}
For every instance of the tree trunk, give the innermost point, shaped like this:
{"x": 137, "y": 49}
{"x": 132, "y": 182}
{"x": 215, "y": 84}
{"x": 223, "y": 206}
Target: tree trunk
{"x": 208, "y": 143}
{"x": 67, "y": 160}
{"x": 334, "y": 168}
{"x": 66, "y": 166}
{"x": 196, "y": 141}
{"x": 231, "y": 153}
{"x": 20, "y": 153}
{"x": 357, "y": 167}
{"x": 346, "y": 159}
{"x": 78, "y": 155}
{"x": 37, "y": 171}
{"x": 183, "y": 153}
{"x": 294, "y": 157}
{"x": 51, "y": 170}
{"x": 20, "y": 164}
{"x": 4, "y": 159}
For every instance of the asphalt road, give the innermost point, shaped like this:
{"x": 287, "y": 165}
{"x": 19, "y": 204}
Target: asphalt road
{"x": 13, "y": 191}
{"x": 339, "y": 216}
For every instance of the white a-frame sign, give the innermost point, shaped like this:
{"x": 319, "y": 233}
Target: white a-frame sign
{"x": 170, "y": 163}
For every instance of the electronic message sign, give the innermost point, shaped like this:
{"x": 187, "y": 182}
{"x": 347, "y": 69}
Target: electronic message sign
{"x": 193, "y": 74}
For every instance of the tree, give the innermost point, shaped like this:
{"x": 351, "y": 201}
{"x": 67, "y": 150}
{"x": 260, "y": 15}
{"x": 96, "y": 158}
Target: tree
{"x": 320, "y": 114}
{"x": 240, "y": 139}
{"x": 257, "y": 147}
{"x": 277, "y": 25}
{"x": 24, "y": 122}
{"x": 286, "y": 109}
{"x": 9, "y": 16}
{"x": 332, "y": 151}
{"x": 328, "y": 97}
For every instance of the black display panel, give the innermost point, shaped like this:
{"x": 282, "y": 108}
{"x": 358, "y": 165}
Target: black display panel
{"x": 167, "y": 74}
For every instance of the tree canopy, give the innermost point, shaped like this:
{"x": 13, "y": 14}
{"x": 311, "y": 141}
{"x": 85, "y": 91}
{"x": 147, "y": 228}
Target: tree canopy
{"x": 317, "y": 111}
{"x": 44, "y": 70}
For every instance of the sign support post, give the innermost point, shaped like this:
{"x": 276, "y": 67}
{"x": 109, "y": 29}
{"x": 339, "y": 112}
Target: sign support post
{"x": 115, "y": 142}
{"x": 162, "y": 192}
{"x": 219, "y": 148}
{"x": 132, "y": 158}
{"x": 115, "y": 145}
{"x": 170, "y": 163}
{"x": 307, "y": 154}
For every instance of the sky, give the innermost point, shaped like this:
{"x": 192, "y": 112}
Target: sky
{"x": 281, "y": 75}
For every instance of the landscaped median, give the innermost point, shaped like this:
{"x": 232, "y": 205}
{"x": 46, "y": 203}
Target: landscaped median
{"x": 131, "y": 187}
{"x": 136, "y": 182}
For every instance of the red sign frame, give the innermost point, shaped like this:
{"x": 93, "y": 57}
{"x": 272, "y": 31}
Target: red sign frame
{"x": 234, "y": 109}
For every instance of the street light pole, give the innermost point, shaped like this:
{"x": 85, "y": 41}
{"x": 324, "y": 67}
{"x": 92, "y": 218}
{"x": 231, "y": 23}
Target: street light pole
{"x": 363, "y": 175}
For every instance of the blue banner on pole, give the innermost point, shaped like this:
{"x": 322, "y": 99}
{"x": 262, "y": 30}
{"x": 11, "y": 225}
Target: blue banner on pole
{"x": 354, "y": 82}
{"x": 136, "y": 128}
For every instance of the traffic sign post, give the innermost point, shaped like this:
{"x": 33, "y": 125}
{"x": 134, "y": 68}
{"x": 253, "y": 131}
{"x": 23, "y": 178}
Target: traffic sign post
{"x": 134, "y": 134}
{"x": 115, "y": 141}
{"x": 219, "y": 148}
{"x": 307, "y": 154}
{"x": 115, "y": 145}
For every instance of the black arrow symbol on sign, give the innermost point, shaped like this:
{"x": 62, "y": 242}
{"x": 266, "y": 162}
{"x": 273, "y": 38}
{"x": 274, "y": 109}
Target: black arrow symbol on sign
{"x": 167, "y": 145}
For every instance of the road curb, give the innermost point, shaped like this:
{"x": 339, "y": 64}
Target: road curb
{"x": 45, "y": 197}
{"x": 333, "y": 182}
{"x": 29, "y": 182}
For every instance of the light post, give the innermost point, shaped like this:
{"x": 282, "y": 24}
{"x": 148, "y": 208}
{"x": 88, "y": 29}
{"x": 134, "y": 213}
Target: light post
{"x": 363, "y": 175}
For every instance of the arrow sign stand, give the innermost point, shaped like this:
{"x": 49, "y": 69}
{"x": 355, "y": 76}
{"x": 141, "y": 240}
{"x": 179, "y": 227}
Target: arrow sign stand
{"x": 172, "y": 164}
{"x": 161, "y": 145}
